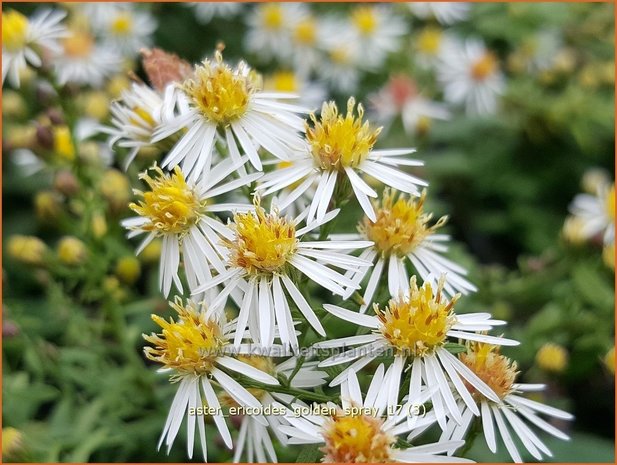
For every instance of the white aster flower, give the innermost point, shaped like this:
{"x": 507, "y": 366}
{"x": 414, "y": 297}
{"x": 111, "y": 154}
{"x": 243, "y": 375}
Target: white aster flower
{"x": 207, "y": 11}
{"x": 340, "y": 147}
{"x": 181, "y": 213}
{"x": 358, "y": 432}
{"x": 377, "y": 32}
{"x": 400, "y": 97}
{"x": 134, "y": 118}
{"x": 511, "y": 412}
{"x": 269, "y": 33}
{"x": 126, "y": 29}
{"x": 21, "y": 36}
{"x": 195, "y": 349}
{"x": 83, "y": 61}
{"x": 344, "y": 57}
{"x": 429, "y": 44}
{"x": 416, "y": 326}
{"x": 265, "y": 251}
{"x": 443, "y": 12}
{"x": 254, "y": 443}
{"x": 595, "y": 214}
{"x": 402, "y": 233}
{"x": 226, "y": 103}
{"x": 306, "y": 35}
{"x": 470, "y": 75}
{"x": 311, "y": 94}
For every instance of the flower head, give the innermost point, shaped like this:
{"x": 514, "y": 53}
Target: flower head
{"x": 338, "y": 141}
{"x": 496, "y": 370}
{"x": 418, "y": 323}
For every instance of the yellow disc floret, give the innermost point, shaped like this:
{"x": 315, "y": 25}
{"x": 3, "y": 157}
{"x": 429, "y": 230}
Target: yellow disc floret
{"x": 429, "y": 40}
{"x": 496, "y": 370}
{"x": 484, "y": 67}
{"x": 338, "y": 141}
{"x": 78, "y": 45}
{"x": 305, "y": 32}
{"x": 14, "y": 30}
{"x": 365, "y": 20}
{"x": 416, "y": 324}
{"x": 222, "y": 94}
{"x": 356, "y": 439}
{"x": 189, "y": 345}
{"x": 171, "y": 205}
{"x": 122, "y": 24}
{"x": 263, "y": 242}
{"x": 272, "y": 16}
{"x": 401, "y": 225}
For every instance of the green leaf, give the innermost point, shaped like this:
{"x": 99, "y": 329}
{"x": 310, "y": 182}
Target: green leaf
{"x": 309, "y": 454}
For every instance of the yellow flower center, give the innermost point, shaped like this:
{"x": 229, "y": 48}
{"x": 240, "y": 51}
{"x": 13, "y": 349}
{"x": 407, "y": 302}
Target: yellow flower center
{"x": 484, "y": 67}
{"x": 122, "y": 24}
{"x": 340, "y": 55}
{"x": 305, "y": 32}
{"x": 496, "y": 370}
{"x": 429, "y": 40}
{"x": 272, "y": 16}
{"x": 609, "y": 202}
{"x": 221, "y": 93}
{"x": 171, "y": 205}
{"x": 401, "y": 226}
{"x": 78, "y": 45}
{"x": 189, "y": 345}
{"x": 264, "y": 242}
{"x": 356, "y": 439}
{"x": 285, "y": 81}
{"x": 142, "y": 118}
{"x": 338, "y": 141}
{"x": 417, "y": 324}
{"x": 365, "y": 20}
{"x": 14, "y": 30}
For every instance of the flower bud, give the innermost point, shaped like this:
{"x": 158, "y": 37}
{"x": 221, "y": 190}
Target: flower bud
{"x": 71, "y": 251}
{"x": 48, "y": 205}
{"x": 116, "y": 189}
{"x": 98, "y": 225}
{"x": 13, "y": 105}
{"x": 12, "y": 444}
{"x": 609, "y": 360}
{"x": 27, "y": 249}
{"x": 66, "y": 183}
{"x": 63, "y": 143}
{"x": 128, "y": 269}
{"x": 552, "y": 357}
{"x": 152, "y": 252}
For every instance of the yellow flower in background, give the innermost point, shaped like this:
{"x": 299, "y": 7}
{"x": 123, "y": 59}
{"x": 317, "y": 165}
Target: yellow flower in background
{"x": 128, "y": 269}
{"x": 48, "y": 205}
{"x": 12, "y": 443}
{"x": 27, "y": 249}
{"x": 71, "y": 251}
{"x": 63, "y": 143}
{"x": 552, "y": 357}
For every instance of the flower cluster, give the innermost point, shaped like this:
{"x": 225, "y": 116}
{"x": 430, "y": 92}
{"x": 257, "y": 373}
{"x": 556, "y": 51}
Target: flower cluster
{"x": 316, "y": 296}
{"x": 227, "y": 146}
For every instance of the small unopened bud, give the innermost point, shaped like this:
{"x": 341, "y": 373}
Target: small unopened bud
{"x": 96, "y": 105}
{"x": 117, "y": 84}
{"x": 99, "y": 225}
{"x": 71, "y": 251}
{"x": 27, "y": 249}
{"x": 63, "y": 143}
{"x": 552, "y": 357}
{"x": 66, "y": 183}
{"x": 48, "y": 205}
{"x": 55, "y": 116}
{"x": 45, "y": 137}
{"x": 115, "y": 188}
{"x": 13, "y": 105}
{"x": 20, "y": 137}
{"x": 12, "y": 444}
{"x": 594, "y": 179}
{"x": 128, "y": 269}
